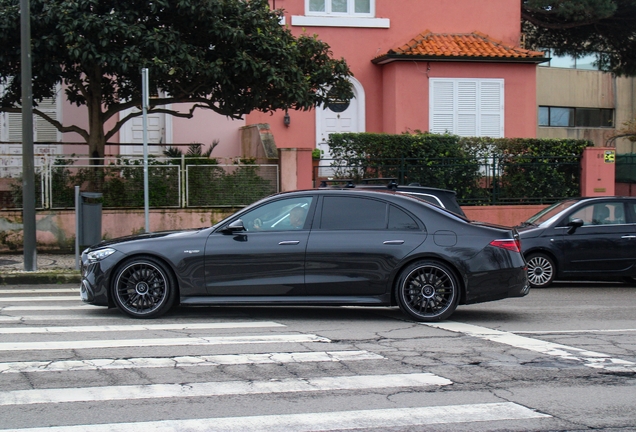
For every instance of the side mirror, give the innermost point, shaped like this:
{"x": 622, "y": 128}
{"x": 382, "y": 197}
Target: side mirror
{"x": 574, "y": 224}
{"x": 235, "y": 226}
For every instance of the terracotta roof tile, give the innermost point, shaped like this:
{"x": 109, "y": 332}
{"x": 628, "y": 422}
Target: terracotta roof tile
{"x": 472, "y": 46}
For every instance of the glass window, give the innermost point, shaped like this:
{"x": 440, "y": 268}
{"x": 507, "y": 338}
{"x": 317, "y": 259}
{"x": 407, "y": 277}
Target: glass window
{"x": 607, "y": 118}
{"x": 544, "y": 116}
{"x": 363, "y": 6}
{"x": 588, "y": 117}
{"x": 587, "y": 62}
{"x": 340, "y": 7}
{"x": 352, "y": 213}
{"x": 282, "y": 215}
{"x": 400, "y": 220}
{"x": 611, "y": 213}
{"x": 580, "y": 117}
{"x": 561, "y": 116}
{"x": 316, "y": 5}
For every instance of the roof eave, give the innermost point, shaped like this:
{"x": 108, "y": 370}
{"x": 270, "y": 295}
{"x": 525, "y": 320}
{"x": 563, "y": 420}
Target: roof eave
{"x": 390, "y": 58}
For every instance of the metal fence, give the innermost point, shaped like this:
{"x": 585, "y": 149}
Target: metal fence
{"x": 488, "y": 180}
{"x": 172, "y": 182}
{"x": 626, "y": 168}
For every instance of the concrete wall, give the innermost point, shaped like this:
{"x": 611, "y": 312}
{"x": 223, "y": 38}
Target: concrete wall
{"x": 56, "y": 229}
{"x": 587, "y": 89}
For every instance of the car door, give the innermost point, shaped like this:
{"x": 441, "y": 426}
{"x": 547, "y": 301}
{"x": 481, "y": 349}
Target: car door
{"x": 356, "y": 243}
{"x": 267, "y": 257}
{"x": 604, "y": 244}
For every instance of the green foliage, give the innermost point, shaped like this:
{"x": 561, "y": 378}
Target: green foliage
{"x": 229, "y": 56}
{"x": 582, "y": 27}
{"x": 480, "y": 170}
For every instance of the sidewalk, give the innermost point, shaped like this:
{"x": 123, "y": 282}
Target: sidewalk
{"x": 51, "y": 269}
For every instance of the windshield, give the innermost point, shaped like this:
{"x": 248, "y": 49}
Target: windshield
{"x": 548, "y": 213}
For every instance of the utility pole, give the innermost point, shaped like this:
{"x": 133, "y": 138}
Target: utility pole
{"x": 145, "y": 99}
{"x": 28, "y": 171}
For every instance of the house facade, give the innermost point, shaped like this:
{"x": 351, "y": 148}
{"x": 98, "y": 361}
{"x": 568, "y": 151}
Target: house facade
{"x": 440, "y": 66}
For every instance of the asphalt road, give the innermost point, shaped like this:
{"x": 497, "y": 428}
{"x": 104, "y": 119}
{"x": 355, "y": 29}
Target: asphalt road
{"x": 562, "y": 358}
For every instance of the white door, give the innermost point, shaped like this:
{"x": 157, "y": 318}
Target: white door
{"x": 132, "y": 133}
{"x": 338, "y": 118}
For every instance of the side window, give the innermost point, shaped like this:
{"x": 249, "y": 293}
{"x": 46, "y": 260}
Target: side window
{"x": 400, "y": 220}
{"x": 610, "y": 213}
{"x": 282, "y": 215}
{"x": 352, "y": 213}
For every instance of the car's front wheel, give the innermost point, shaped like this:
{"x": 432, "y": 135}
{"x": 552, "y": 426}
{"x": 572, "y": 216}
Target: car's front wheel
{"x": 144, "y": 288}
{"x": 428, "y": 291}
{"x": 541, "y": 270}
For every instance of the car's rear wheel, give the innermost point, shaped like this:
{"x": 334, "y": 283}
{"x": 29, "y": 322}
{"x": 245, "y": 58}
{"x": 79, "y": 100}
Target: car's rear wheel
{"x": 427, "y": 291}
{"x": 144, "y": 288}
{"x": 541, "y": 270}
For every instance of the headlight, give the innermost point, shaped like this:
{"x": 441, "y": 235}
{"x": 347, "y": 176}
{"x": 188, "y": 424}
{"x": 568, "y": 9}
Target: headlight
{"x": 100, "y": 254}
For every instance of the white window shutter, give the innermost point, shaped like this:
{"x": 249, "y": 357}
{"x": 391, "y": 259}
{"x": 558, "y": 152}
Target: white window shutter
{"x": 442, "y": 106}
{"x": 467, "y": 107}
{"x": 45, "y": 131}
{"x": 491, "y": 109}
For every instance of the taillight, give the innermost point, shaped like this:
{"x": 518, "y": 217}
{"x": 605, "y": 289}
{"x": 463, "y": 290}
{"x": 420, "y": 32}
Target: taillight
{"x": 509, "y": 244}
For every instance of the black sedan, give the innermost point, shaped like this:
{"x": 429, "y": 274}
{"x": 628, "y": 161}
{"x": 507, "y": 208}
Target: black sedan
{"x": 581, "y": 239}
{"x": 316, "y": 247}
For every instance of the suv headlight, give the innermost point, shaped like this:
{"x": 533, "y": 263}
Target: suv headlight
{"x": 100, "y": 254}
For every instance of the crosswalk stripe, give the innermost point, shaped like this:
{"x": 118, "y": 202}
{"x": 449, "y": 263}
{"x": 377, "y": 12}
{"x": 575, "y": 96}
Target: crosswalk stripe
{"x": 219, "y": 388}
{"x": 187, "y": 361}
{"x": 588, "y": 358}
{"x": 18, "y": 319}
{"x": 325, "y": 421}
{"x": 119, "y": 343}
{"x": 49, "y": 308}
{"x": 39, "y": 290}
{"x": 147, "y": 327}
{"x": 75, "y": 298}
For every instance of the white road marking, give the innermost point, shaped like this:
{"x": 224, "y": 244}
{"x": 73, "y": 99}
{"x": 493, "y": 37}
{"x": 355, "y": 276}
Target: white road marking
{"x": 39, "y": 290}
{"x": 49, "y": 308}
{"x": 219, "y": 388}
{"x": 187, "y": 361}
{"x": 327, "y": 421}
{"x": 588, "y": 358}
{"x": 574, "y": 331}
{"x": 147, "y": 327}
{"x": 18, "y": 319}
{"x": 220, "y": 340}
{"x": 74, "y": 298}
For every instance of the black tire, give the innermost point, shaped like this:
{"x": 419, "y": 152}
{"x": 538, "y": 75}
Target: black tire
{"x": 541, "y": 270}
{"x": 144, "y": 288}
{"x": 427, "y": 291}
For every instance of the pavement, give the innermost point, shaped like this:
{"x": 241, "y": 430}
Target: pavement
{"x": 50, "y": 269}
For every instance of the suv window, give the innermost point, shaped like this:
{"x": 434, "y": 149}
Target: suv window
{"x": 353, "y": 213}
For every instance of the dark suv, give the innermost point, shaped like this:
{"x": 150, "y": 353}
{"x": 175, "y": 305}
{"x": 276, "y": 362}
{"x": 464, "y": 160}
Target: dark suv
{"x": 441, "y": 197}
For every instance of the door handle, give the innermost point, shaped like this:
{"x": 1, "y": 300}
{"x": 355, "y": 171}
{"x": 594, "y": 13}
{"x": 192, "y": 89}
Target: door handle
{"x": 394, "y": 242}
{"x": 289, "y": 242}
{"x": 629, "y": 237}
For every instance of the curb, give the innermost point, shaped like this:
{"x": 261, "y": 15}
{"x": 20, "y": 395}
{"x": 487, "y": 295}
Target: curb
{"x": 38, "y": 278}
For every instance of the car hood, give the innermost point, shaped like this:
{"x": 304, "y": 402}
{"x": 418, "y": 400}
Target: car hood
{"x": 139, "y": 238}
{"x": 529, "y": 231}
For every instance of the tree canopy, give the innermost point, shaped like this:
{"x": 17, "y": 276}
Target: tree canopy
{"x": 229, "y": 56}
{"x": 582, "y": 27}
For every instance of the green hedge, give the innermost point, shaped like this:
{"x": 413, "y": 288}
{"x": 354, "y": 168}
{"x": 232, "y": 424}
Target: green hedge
{"x": 480, "y": 170}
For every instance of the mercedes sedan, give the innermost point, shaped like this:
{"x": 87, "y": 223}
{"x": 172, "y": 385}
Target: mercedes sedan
{"x": 315, "y": 247}
{"x": 581, "y": 239}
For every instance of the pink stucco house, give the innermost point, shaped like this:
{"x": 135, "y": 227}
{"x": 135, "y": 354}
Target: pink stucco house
{"x": 437, "y": 66}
